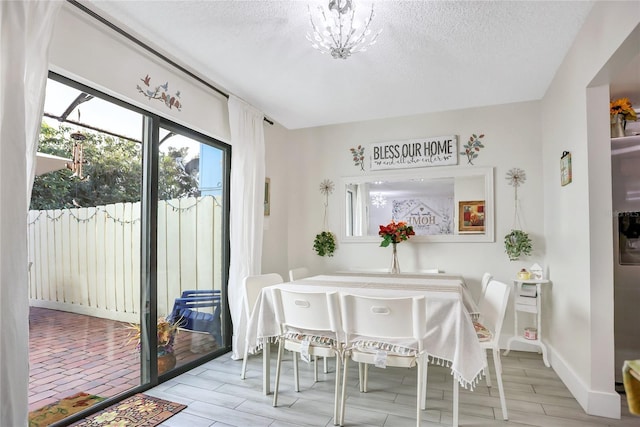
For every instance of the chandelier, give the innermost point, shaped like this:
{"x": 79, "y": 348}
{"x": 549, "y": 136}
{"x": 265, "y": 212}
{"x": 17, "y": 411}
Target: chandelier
{"x": 378, "y": 200}
{"x": 338, "y": 32}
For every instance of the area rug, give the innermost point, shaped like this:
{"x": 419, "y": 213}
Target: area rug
{"x": 61, "y": 409}
{"x": 139, "y": 410}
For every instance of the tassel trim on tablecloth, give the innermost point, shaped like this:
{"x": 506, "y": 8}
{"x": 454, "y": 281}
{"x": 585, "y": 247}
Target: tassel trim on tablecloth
{"x": 392, "y": 348}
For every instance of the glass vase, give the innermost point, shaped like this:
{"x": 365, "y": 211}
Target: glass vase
{"x": 617, "y": 126}
{"x": 395, "y": 265}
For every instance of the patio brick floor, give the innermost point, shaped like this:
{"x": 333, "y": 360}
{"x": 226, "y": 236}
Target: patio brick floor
{"x": 71, "y": 353}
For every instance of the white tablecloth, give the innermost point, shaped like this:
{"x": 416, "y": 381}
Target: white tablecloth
{"x": 450, "y": 339}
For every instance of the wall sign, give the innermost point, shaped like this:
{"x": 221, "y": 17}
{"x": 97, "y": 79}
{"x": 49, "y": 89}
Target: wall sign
{"x": 415, "y": 153}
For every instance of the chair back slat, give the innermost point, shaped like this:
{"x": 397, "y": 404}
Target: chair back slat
{"x": 298, "y": 273}
{"x": 311, "y": 311}
{"x": 493, "y": 306}
{"x": 253, "y": 285}
{"x": 384, "y": 318}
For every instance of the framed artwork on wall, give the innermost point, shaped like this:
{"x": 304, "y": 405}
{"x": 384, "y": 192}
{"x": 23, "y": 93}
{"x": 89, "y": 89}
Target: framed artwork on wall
{"x": 471, "y": 216}
{"x": 267, "y": 196}
{"x": 565, "y": 168}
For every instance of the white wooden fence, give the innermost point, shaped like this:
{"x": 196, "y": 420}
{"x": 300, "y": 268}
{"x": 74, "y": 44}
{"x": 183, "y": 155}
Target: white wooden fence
{"x": 87, "y": 260}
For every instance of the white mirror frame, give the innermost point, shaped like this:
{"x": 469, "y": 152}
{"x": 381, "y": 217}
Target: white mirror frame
{"x": 433, "y": 173}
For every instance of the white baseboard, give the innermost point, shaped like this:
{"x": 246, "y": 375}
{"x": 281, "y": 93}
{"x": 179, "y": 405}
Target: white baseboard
{"x": 594, "y": 402}
{"x": 88, "y": 311}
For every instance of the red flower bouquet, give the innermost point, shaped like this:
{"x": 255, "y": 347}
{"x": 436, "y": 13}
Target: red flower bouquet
{"x": 395, "y": 232}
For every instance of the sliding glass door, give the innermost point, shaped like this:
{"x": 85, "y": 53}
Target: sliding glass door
{"x": 128, "y": 248}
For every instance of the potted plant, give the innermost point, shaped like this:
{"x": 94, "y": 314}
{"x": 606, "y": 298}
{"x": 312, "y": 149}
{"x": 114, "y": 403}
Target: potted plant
{"x": 167, "y": 331}
{"x": 325, "y": 243}
{"x": 517, "y": 243}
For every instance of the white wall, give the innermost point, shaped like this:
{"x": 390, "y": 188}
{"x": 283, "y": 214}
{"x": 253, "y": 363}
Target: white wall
{"x": 578, "y": 217}
{"x": 512, "y": 139}
{"x": 89, "y": 52}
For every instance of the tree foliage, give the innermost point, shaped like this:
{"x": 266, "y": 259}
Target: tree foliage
{"x": 112, "y": 172}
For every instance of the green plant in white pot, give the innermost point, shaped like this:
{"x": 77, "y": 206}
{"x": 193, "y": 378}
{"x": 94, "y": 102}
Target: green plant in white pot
{"x": 516, "y": 244}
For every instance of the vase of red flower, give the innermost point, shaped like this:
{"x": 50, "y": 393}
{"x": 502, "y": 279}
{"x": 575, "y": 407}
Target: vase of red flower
{"x": 392, "y": 234}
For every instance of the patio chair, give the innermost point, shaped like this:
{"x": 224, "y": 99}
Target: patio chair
{"x": 185, "y": 311}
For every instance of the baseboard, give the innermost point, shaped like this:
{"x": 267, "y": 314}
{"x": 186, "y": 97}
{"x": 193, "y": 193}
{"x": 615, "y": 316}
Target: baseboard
{"x": 598, "y": 403}
{"x": 88, "y": 311}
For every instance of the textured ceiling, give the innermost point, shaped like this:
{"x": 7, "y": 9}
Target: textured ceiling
{"x": 431, "y": 55}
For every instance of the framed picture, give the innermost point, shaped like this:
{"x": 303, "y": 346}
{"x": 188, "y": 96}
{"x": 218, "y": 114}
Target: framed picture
{"x": 267, "y": 197}
{"x": 565, "y": 168}
{"x": 471, "y": 216}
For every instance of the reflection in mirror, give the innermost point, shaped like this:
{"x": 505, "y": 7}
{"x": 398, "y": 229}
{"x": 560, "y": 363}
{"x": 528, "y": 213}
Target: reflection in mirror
{"x": 449, "y": 204}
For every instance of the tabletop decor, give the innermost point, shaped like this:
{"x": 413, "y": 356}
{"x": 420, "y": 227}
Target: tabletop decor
{"x": 620, "y": 111}
{"x": 325, "y": 242}
{"x": 392, "y": 234}
{"x": 167, "y": 331}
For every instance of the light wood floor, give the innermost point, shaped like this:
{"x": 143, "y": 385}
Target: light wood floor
{"x": 216, "y": 395}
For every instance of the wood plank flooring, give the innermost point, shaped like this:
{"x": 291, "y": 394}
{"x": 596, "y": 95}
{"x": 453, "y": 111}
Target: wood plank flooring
{"x": 216, "y": 396}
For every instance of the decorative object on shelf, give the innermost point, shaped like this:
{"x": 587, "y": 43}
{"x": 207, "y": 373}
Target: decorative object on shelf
{"x": 166, "y": 332}
{"x": 620, "y": 111}
{"x": 524, "y": 274}
{"x": 565, "y": 168}
{"x": 471, "y": 216}
{"x": 392, "y": 234}
{"x": 358, "y": 156}
{"x": 472, "y": 147}
{"x": 161, "y": 93}
{"x": 517, "y": 242}
{"x": 536, "y": 272}
{"x": 339, "y": 31}
{"x": 325, "y": 242}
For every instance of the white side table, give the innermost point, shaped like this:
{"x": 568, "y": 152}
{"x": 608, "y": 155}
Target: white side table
{"x": 535, "y": 308}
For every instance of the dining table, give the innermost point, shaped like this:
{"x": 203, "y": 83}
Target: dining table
{"x": 450, "y": 339}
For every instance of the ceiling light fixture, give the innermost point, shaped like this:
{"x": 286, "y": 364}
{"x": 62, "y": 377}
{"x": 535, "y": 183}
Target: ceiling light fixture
{"x": 378, "y": 200}
{"x": 339, "y": 33}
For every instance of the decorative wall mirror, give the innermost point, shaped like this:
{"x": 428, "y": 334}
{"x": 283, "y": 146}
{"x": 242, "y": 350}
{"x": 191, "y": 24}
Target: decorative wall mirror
{"x": 444, "y": 204}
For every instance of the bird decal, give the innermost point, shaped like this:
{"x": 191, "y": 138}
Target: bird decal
{"x": 160, "y": 92}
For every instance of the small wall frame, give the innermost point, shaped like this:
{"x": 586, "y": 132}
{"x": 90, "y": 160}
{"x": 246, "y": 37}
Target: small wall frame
{"x": 565, "y": 168}
{"x": 471, "y": 216}
{"x": 267, "y": 197}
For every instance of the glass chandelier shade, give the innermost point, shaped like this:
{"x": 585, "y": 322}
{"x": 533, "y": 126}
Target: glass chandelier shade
{"x": 338, "y": 32}
{"x": 378, "y": 200}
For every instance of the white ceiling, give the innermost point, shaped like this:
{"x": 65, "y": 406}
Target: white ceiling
{"x": 431, "y": 55}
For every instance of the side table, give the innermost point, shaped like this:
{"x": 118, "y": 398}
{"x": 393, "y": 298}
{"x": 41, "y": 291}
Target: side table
{"x": 529, "y": 304}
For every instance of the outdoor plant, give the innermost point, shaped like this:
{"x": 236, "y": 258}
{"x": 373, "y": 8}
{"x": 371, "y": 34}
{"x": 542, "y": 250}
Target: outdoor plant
{"x": 324, "y": 243}
{"x": 395, "y": 232}
{"x": 167, "y": 330}
{"x": 517, "y": 243}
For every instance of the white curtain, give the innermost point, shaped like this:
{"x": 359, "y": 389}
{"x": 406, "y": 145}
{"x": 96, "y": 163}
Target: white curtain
{"x": 25, "y": 32}
{"x": 247, "y": 208}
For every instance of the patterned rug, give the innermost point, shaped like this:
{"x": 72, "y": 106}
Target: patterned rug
{"x": 137, "y": 411}
{"x": 61, "y": 409}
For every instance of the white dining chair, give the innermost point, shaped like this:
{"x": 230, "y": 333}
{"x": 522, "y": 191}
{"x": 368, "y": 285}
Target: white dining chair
{"x": 252, "y": 286}
{"x": 299, "y": 273}
{"x": 492, "y": 308}
{"x": 310, "y": 326}
{"x": 373, "y": 327}
{"x": 486, "y": 278}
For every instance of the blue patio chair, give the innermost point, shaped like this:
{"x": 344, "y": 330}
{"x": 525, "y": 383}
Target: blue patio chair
{"x": 185, "y": 311}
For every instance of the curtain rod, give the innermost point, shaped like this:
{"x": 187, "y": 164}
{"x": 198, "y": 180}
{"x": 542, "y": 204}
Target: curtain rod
{"x": 151, "y": 50}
